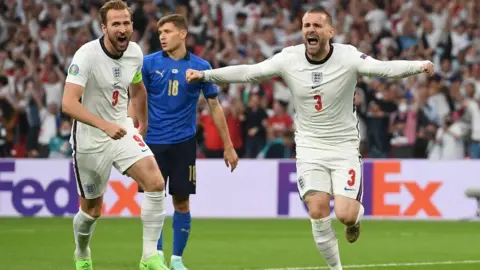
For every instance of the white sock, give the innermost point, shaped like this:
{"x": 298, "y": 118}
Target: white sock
{"x": 176, "y": 257}
{"x": 361, "y": 211}
{"x": 327, "y": 242}
{"x": 83, "y": 226}
{"x": 153, "y": 216}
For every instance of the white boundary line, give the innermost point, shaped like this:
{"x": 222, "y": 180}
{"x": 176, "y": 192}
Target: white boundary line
{"x": 412, "y": 264}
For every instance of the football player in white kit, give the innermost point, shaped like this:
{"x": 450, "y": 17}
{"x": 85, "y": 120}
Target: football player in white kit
{"x": 322, "y": 78}
{"x": 99, "y": 78}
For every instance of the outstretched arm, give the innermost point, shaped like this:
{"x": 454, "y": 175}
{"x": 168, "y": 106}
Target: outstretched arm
{"x": 241, "y": 73}
{"x": 368, "y": 66}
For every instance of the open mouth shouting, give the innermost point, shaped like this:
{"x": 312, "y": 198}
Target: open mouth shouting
{"x": 313, "y": 41}
{"x": 122, "y": 41}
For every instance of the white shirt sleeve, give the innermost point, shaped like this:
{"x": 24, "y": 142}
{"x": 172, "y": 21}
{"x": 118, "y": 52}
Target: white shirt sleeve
{"x": 80, "y": 68}
{"x": 264, "y": 70}
{"x": 368, "y": 66}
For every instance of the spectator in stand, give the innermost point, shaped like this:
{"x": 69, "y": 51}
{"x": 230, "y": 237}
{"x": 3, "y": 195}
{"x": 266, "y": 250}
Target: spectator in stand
{"x": 279, "y": 148}
{"x": 472, "y": 108}
{"x": 280, "y": 122}
{"x": 256, "y": 123}
{"x": 59, "y": 146}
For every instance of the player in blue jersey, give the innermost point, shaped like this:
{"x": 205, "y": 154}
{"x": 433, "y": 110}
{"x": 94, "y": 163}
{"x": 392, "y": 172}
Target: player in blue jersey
{"x": 172, "y": 109}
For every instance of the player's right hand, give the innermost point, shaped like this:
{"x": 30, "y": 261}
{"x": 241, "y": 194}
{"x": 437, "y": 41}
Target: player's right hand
{"x": 194, "y": 75}
{"x": 428, "y": 68}
{"x": 115, "y": 131}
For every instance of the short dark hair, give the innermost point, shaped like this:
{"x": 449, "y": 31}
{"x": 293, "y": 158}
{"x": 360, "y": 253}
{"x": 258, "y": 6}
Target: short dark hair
{"x": 113, "y": 4}
{"x": 321, "y": 10}
{"x": 177, "y": 19}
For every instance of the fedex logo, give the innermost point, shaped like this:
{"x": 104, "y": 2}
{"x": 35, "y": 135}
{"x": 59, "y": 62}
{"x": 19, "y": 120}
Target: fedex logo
{"x": 30, "y": 196}
{"x": 421, "y": 194}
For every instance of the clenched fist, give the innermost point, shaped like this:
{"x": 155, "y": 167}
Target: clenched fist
{"x": 115, "y": 131}
{"x": 194, "y": 75}
{"x": 428, "y": 68}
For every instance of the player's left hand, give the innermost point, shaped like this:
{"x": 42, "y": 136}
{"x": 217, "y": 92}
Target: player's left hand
{"x": 231, "y": 158}
{"x": 428, "y": 68}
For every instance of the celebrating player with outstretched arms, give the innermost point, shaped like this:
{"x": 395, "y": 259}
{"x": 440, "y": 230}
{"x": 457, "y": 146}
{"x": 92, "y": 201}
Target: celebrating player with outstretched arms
{"x": 322, "y": 77}
{"x": 95, "y": 96}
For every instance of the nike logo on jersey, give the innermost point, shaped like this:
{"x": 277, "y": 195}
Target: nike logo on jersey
{"x": 315, "y": 86}
{"x": 116, "y": 84}
{"x": 144, "y": 150}
{"x": 160, "y": 73}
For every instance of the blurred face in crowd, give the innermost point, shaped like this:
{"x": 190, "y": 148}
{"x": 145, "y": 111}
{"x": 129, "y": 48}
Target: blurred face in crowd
{"x": 65, "y": 128}
{"x": 428, "y": 26}
{"x": 470, "y": 90}
{"x": 446, "y": 66}
{"x": 171, "y": 37}
{"x": 402, "y": 106}
{"x": 118, "y": 29}
{"x": 316, "y": 31}
{"x": 278, "y": 108}
{"x": 254, "y": 101}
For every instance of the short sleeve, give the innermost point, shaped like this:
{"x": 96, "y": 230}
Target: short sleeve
{"x": 80, "y": 68}
{"x": 209, "y": 89}
{"x": 137, "y": 78}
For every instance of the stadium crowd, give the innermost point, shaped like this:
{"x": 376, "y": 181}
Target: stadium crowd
{"x": 419, "y": 117}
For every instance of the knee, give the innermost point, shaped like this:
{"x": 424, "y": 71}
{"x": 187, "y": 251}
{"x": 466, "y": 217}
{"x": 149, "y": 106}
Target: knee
{"x": 95, "y": 211}
{"x": 318, "y": 213}
{"x": 155, "y": 185}
{"x": 154, "y": 182}
{"x": 318, "y": 205}
{"x": 345, "y": 216}
{"x": 181, "y": 204}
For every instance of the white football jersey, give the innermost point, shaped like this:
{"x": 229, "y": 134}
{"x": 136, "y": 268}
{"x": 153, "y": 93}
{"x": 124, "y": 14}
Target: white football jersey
{"x": 322, "y": 91}
{"x": 106, "y": 79}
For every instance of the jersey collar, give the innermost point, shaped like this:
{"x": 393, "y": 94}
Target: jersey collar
{"x": 314, "y": 62}
{"x": 186, "y": 57}
{"x": 102, "y": 44}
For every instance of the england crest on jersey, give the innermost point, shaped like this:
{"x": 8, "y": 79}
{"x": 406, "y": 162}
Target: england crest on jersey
{"x": 317, "y": 77}
{"x": 117, "y": 74}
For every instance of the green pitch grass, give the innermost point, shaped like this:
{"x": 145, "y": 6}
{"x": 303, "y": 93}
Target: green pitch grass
{"x": 47, "y": 244}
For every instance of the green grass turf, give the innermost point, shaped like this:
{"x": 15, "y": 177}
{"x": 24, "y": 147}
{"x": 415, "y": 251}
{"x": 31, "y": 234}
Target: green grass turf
{"x": 43, "y": 244}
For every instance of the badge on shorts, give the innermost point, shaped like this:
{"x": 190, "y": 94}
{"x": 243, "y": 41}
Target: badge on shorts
{"x": 301, "y": 182}
{"x": 90, "y": 189}
{"x": 117, "y": 74}
{"x": 317, "y": 77}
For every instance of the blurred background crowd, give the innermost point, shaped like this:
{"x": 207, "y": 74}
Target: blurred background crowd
{"x": 417, "y": 117}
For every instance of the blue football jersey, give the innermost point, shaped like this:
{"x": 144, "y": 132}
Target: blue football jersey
{"x": 172, "y": 102}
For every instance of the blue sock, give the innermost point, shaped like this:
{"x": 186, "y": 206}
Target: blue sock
{"x": 181, "y": 230}
{"x": 160, "y": 243}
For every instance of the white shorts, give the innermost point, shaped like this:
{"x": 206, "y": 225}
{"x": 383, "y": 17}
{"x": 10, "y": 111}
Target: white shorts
{"x": 92, "y": 170}
{"x": 331, "y": 172}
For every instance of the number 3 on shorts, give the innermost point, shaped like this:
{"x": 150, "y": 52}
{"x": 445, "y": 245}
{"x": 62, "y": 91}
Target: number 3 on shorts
{"x": 352, "y": 174}
{"x": 139, "y": 141}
